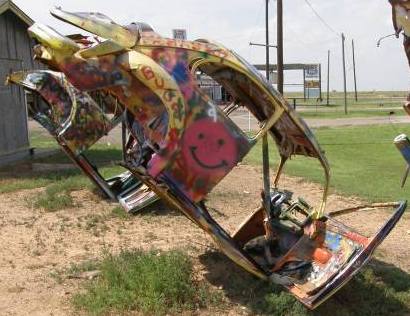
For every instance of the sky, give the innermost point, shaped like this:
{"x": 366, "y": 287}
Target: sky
{"x": 235, "y": 23}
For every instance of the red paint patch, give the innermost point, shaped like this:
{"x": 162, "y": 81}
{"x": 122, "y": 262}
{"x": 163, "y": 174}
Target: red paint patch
{"x": 209, "y": 148}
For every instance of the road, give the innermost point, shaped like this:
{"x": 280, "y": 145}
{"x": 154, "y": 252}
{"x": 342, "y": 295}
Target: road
{"x": 243, "y": 121}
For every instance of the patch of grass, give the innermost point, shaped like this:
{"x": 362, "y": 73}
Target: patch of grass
{"x": 104, "y": 156}
{"x": 89, "y": 265}
{"x": 54, "y": 202}
{"x": 8, "y": 186}
{"x": 57, "y": 195}
{"x": 56, "y": 276}
{"x": 327, "y": 114}
{"x": 41, "y": 139}
{"x": 99, "y": 153}
{"x": 148, "y": 282}
{"x": 119, "y": 212}
{"x": 366, "y": 99}
{"x": 96, "y": 224}
{"x": 379, "y": 289}
{"x": 363, "y": 159}
{"x": 32, "y": 180}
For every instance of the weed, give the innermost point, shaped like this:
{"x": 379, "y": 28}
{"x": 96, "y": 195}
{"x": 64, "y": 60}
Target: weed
{"x": 57, "y": 277}
{"x": 93, "y": 221}
{"x": 119, "y": 212}
{"x": 149, "y": 282}
{"x": 89, "y": 265}
{"x": 57, "y": 195}
{"x": 54, "y": 202}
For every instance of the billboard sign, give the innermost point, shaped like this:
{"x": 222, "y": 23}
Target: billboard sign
{"x": 312, "y": 71}
{"x": 179, "y": 34}
{"x": 312, "y": 84}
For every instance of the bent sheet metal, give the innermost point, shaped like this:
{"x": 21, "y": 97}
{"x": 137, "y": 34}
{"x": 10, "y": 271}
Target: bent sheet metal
{"x": 187, "y": 145}
{"x": 401, "y": 23}
{"x": 76, "y": 122}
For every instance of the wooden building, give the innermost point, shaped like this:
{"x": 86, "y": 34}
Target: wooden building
{"x": 15, "y": 54}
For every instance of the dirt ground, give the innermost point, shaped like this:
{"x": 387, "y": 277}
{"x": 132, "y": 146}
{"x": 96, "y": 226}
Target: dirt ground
{"x": 37, "y": 245}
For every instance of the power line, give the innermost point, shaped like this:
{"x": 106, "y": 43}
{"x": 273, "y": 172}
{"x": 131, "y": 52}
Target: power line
{"x": 257, "y": 20}
{"x": 321, "y": 19}
{"x": 255, "y": 30}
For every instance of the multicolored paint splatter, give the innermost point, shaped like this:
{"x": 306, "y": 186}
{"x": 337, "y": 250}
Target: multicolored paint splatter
{"x": 401, "y": 23}
{"x": 184, "y": 145}
{"x": 77, "y": 121}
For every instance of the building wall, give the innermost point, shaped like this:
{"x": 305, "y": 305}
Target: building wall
{"x": 15, "y": 54}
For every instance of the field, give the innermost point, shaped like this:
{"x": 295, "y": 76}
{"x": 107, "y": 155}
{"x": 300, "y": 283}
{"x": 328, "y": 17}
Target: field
{"x": 68, "y": 251}
{"x": 369, "y": 104}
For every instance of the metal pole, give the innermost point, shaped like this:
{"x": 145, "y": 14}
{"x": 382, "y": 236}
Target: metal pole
{"x": 304, "y": 84}
{"x": 320, "y": 83}
{"x": 280, "y": 44}
{"x": 265, "y": 147}
{"x": 354, "y": 72}
{"x": 267, "y": 37}
{"x": 263, "y": 45}
{"x": 328, "y": 74}
{"x": 344, "y": 71}
{"x": 124, "y": 137}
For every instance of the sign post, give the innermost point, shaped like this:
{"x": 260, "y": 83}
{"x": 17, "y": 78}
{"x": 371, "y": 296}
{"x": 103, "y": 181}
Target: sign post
{"x": 312, "y": 81}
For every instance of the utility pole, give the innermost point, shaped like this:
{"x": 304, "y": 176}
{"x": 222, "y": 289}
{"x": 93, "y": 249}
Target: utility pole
{"x": 354, "y": 72}
{"x": 279, "y": 43}
{"x": 344, "y": 71}
{"x": 320, "y": 83}
{"x": 304, "y": 84}
{"x": 265, "y": 146}
{"x": 267, "y": 38}
{"x": 328, "y": 79}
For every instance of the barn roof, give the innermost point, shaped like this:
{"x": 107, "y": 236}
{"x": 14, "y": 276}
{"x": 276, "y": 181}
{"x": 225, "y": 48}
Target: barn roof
{"x": 9, "y": 5}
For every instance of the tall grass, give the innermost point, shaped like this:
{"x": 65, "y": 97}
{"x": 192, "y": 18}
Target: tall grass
{"x": 147, "y": 282}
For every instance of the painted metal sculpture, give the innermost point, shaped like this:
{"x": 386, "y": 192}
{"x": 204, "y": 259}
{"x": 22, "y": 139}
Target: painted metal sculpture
{"x": 76, "y": 122}
{"x": 401, "y": 23}
{"x": 189, "y": 145}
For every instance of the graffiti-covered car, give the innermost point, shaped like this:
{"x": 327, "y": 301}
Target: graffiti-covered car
{"x": 190, "y": 145}
{"x": 76, "y": 121}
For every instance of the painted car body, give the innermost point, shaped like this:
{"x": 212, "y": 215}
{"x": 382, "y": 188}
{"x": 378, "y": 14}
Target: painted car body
{"x": 401, "y": 24}
{"x": 77, "y": 122}
{"x": 191, "y": 145}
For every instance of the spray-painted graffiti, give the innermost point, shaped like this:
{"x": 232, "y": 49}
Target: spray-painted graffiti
{"x": 77, "y": 121}
{"x": 184, "y": 145}
{"x": 401, "y": 23}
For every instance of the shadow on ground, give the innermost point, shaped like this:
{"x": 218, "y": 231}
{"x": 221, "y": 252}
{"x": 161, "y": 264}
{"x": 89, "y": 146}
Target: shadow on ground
{"x": 158, "y": 208}
{"x": 380, "y": 289}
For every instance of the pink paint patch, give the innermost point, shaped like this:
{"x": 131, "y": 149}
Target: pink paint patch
{"x": 208, "y": 148}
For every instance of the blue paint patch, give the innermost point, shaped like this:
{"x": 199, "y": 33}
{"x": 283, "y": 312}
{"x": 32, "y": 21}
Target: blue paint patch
{"x": 332, "y": 241}
{"x": 405, "y": 151}
{"x": 179, "y": 73}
